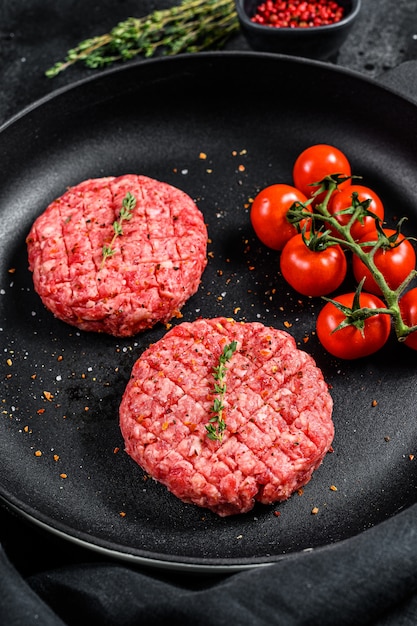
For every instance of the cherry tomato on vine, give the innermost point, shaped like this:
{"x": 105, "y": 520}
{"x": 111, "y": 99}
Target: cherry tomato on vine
{"x": 408, "y": 308}
{"x": 342, "y": 200}
{"x": 312, "y": 272}
{"x": 268, "y": 214}
{"x": 317, "y": 162}
{"x": 352, "y": 342}
{"x": 394, "y": 262}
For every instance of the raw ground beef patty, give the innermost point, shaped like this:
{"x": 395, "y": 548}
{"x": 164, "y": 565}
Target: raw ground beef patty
{"x": 156, "y": 262}
{"x": 277, "y": 412}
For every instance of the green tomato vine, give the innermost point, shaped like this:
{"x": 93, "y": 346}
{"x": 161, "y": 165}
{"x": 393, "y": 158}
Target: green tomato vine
{"x": 365, "y": 251}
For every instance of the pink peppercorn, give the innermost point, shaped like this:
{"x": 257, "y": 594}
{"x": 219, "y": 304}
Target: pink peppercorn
{"x": 298, "y": 13}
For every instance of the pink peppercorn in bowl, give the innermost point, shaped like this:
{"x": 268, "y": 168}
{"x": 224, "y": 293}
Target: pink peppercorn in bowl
{"x": 297, "y": 27}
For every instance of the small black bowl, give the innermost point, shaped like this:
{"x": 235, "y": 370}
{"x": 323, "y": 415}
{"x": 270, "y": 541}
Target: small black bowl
{"x": 317, "y": 42}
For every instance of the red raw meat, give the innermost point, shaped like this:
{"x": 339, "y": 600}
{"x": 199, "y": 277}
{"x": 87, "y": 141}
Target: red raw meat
{"x": 156, "y": 266}
{"x": 278, "y": 414}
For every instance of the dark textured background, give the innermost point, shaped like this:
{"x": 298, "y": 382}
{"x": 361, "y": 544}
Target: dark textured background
{"x": 34, "y": 34}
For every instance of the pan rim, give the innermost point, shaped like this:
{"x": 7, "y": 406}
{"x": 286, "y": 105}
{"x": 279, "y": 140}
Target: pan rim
{"x": 179, "y": 563}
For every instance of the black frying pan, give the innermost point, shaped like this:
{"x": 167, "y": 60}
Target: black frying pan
{"x": 155, "y": 118}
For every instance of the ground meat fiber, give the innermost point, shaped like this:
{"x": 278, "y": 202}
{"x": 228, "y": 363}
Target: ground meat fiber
{"x": 156, "y": 262}
{"x": 277, "y": 412}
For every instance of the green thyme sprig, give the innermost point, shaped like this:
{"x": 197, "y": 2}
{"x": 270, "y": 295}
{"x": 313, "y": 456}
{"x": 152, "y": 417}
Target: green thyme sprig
{"x": 192, "y": 26}
{"x": 217, "y": 425}
{"x": 126, "y": 213}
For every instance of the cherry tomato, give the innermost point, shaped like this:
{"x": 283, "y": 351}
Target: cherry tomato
{"x": 342, "y": 200}
{"x": 395, "y": 263}
{"x": 350, "y": 342}
{"x": 268, "y": 214}
{"x": 317, "y": 162}
{"x": 408, "y": 308}
{"x": 312, "y": 272}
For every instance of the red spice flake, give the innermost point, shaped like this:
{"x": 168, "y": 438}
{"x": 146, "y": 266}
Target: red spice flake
{"x": 374, "y": 402}
{"x": 411, "y": 457}
{"x": 203, "y": 155}
{"x": 122, "y": 514}
{"x": 333, "y": 487}
{"x": 63, "y": 476}
{"x": 40, "y": 411}
{"x": 298, "y": 13}
{"x": 387, "y": 438}
{"x": 56, "y": 457}
{"x": 86, "y": 408}
{"x": 277, "y": 513}
{"x": 314, "y": 510}
{"x": 165, "y": 425}
{"x": 38, "y": 453}
{"x": 60, "y": 357}
{"x": 116, "y": 450}
{"x": 12, "y": 270}
{"x": 287, "y": 324}
{"x": 241, "y": 168}
{"x": 33, "y": 377}
{"x": 48, "y": 396}
{"x": 26, "y": 429}
{"x": 9, "y": 362}
{"x": 300, "y": 491}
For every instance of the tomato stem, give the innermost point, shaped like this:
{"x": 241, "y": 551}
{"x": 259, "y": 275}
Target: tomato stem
{"x": 322, "y": 214}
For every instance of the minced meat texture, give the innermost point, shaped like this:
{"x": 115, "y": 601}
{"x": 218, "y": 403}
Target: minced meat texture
{"x": 278, "y": 414}
{"x": 155, "y": 266}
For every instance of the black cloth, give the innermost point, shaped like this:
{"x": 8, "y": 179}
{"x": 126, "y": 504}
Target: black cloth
{"x": 370, "y": 579}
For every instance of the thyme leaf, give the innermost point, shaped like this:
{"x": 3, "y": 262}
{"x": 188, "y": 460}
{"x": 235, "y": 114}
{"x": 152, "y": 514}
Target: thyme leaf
{"x": 126, "y": 213}
{"x": 192, "y": 26}
{"x": 217, "y": 425}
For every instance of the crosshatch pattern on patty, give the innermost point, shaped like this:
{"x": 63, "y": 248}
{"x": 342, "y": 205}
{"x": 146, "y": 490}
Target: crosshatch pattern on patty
{"x": 154, "y": 266}
{"x": 277, "y": 410}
